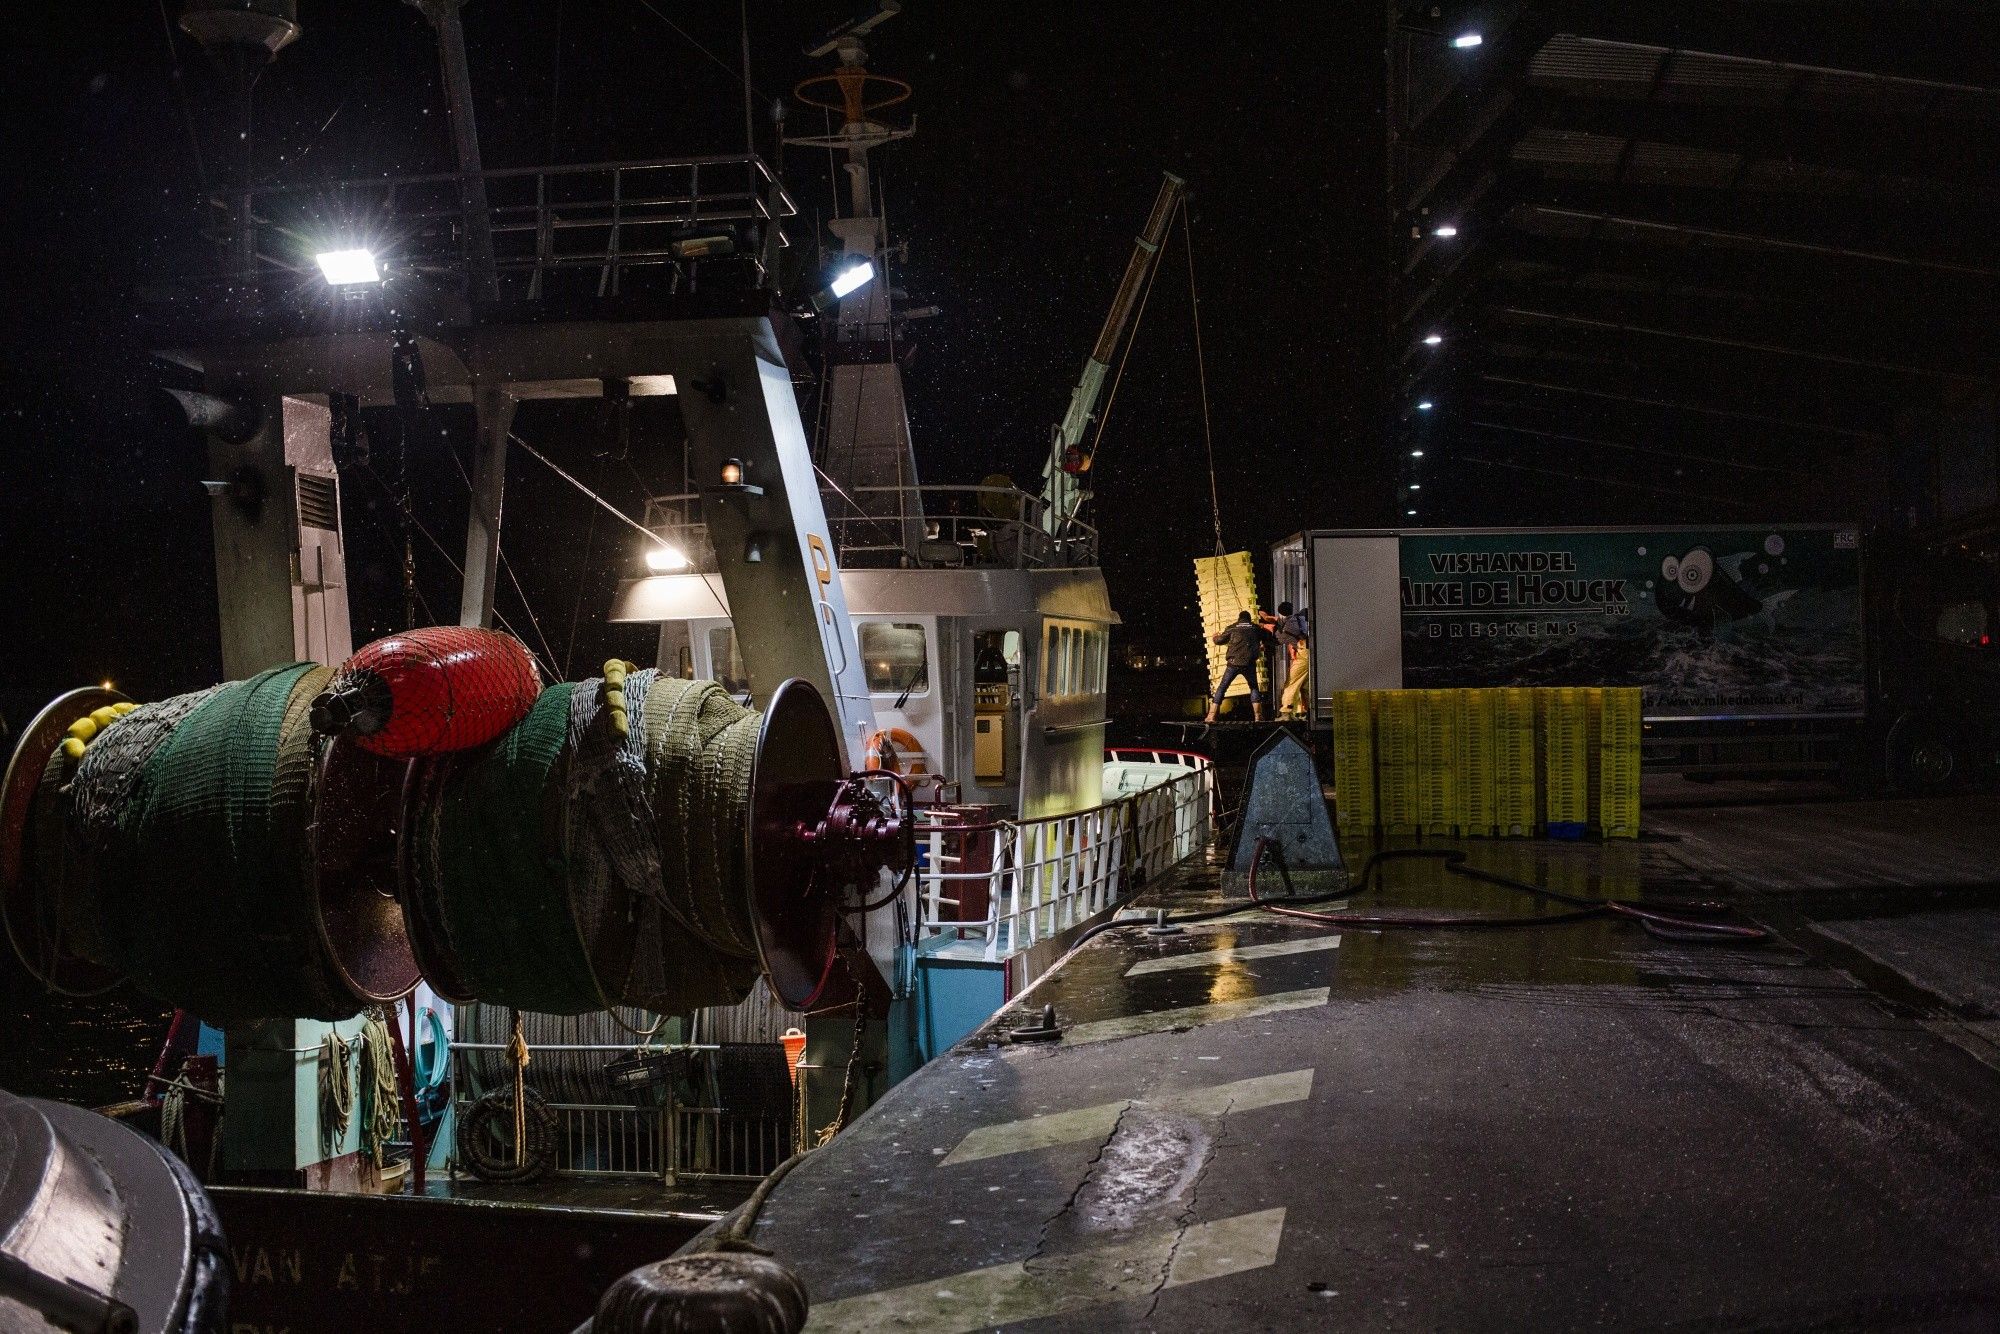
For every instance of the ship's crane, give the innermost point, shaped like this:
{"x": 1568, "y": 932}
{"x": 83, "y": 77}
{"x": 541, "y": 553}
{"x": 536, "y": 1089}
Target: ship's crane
{"x": 1066, "y": 474}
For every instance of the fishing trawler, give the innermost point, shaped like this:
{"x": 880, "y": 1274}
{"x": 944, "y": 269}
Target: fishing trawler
{"x": 906, "y": 796}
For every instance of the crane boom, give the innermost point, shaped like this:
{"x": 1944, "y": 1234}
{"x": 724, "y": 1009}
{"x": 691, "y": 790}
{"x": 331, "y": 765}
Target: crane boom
{"x": 1062, "y": 478}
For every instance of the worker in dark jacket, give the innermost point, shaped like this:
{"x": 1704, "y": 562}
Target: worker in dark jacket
{"x": 1245, "y": 642}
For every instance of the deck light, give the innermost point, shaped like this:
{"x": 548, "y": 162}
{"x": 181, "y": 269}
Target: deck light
{"x": 1424, "y": 406}
{"x": 1446, "y": 230}
{"x": 853, "y": 279}
{"x": 849, "y": 280}
{"x": 665, "y": 558}
{"x": 348, "y": 268}
{"x": 1432, "y": 340}
{"x": 1416, "y": 453}
{"x": 1465, "y": 41}
{"x": 1411, "y": 513}
{"x": 732, "y": 472}
{"x": 1416, "y": 486}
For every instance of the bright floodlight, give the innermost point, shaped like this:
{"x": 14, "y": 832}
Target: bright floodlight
{"x": 665, "y": 558}
{"x": 1416, "y": 486}
{"x": 1424, "y": 406}
{"x": 1465, "y": 41}
{"x": 1416, "y": 453}
{"x": 853, "y": 279}
{"x": 348, "y": 268}
{"x": 1447, "y": 231}
{"x": 1432, "y": 340}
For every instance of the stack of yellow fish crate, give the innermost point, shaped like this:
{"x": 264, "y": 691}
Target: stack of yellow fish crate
{"x": 1516, "y": 762}
{"x": 1227, "y": 585}
{"x": 1398, "y": 809}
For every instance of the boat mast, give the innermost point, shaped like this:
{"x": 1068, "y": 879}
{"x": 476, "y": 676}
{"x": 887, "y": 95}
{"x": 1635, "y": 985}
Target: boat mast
{"x": 867, "y": 452}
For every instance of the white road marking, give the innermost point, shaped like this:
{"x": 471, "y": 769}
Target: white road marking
{"x": 1052, "y": 1285}
{"x": 1192, "y": 1016}
{"x": 1091, "y": 1123}
{"x": 1234, "y": 953}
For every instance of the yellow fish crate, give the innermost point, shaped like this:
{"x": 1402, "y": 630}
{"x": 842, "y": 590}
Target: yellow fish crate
{"x": 1566, "y": 761}
{"x": 1618, "y": 762}
{"x": 1353, "y": 761}
{"x": 1516, "y": 774}
{"x": 1478, "y": 746}
{"x": 1437, "y": 761}
{"x": 1396, "y": 761}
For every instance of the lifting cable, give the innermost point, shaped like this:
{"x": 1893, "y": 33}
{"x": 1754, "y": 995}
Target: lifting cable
{"x": 1201, "y": 376}
{"x": 507, "y": 566}
{"x": 452, "y": 563}
{"x": 602, "y": 503}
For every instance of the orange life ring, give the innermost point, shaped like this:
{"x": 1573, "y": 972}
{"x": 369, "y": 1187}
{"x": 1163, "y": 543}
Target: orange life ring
{"x": 895, "y": 750}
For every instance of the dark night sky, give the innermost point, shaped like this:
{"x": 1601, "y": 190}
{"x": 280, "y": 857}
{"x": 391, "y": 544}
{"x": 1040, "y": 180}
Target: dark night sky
{"x": 1043, "y": 128}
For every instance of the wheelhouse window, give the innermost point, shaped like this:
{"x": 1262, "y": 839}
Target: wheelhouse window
{"x": 895, "y": 656}
{"x": 1073, "y": 660}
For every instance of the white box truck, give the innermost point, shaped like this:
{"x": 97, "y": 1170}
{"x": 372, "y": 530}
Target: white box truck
{"x": 1713, "y": 623}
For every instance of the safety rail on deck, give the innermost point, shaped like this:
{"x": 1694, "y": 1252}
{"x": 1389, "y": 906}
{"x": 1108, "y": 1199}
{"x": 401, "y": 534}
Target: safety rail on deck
{"x": 909, "y": 527}
{"x": 671, "y": 1141}
{"x": 601, "y": 219}
{"x": 1008, "y": 884}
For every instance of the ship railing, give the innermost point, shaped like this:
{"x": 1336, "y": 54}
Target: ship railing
{"x": 710, "y": 1144}
{"x": 1006, "y": 885}
{"x": 582, "y": 228}
{"x": 908, "y": 527}
{"x": 670, "y": 1141}
{"x": 950, "y": 527}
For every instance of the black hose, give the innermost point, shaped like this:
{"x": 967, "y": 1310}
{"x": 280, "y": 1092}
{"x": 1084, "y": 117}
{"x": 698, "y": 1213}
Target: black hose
{"x": 1666, "y": 921}
{"x": 1678, "y": 920}
{"x": 490, "y": 1122}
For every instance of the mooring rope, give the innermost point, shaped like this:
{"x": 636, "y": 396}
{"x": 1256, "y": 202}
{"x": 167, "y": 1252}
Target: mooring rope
{"x": 381, "y": 1099}
{"x": 336, "y": 1092}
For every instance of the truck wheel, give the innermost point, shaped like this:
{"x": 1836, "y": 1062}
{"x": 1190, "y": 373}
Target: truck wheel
{"x": 1919, "y": 757}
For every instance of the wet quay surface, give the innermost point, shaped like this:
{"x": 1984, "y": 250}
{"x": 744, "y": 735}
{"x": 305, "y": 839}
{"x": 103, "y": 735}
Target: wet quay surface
{"x": 1262, "y": 1123}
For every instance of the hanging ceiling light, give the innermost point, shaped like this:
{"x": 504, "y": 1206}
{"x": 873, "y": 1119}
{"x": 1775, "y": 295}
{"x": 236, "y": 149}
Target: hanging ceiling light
{"x": 348, "y": 268}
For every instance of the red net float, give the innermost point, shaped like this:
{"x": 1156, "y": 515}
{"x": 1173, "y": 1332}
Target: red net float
{"x": 430, "y": 691}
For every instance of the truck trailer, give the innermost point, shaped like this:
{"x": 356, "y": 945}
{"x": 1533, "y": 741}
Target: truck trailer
{"x": 1735, "y": 634}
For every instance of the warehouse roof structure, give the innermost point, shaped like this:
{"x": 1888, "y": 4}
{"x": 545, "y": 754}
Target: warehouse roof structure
{"x": 1695, "y": 260}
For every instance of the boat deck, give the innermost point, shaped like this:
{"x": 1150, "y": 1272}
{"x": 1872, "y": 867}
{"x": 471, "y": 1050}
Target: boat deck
{"x": 1265, "y": 1124}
